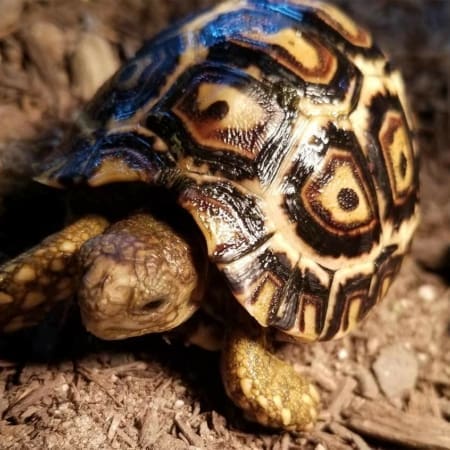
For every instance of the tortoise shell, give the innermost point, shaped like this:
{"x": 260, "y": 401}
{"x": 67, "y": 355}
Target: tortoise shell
{"x": 283, "y": 130}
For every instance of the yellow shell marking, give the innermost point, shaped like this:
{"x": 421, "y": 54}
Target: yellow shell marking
{"x": 341, "y": 23}
{"x": 398, "y": 152}
{"x": 353, "y": 312}
{"x": 263, "y": 299}
{"x": 244, "y": 113}
{"x": 310, "y": 60}
{"x": 343, "y": 178}
{"x": 114, "y": 170}
{"x": 310, "y": 314}
{"x": 234, "y": 117}
{"x": 338, "y": 190}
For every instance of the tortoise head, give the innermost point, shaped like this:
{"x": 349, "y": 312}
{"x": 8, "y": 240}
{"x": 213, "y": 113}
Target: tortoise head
{"x": 140, "y": 276}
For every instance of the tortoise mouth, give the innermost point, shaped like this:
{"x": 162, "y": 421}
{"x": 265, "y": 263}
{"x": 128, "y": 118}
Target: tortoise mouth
{"x": 133, "y": 323}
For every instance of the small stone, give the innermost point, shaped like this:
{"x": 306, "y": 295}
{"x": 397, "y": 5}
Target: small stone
{"x": 178, "y": 404}
{"x": 423, "y": 357}
{"x": 373, "y": 345}
{"x": 93, "y": 62}
{"x": 342, "y": 354}
{"x": 427, "y": 292}
{"x": 11, "y": 11}
{"x": 46, "y": 44}
{"x": 396, "y": 369}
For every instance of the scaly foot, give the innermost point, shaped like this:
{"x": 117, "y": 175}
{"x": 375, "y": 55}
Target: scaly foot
{"x": 33, "y": 282}
{"x": 268, "y": 389}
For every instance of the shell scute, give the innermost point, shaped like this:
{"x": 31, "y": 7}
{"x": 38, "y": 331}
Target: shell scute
{"x": 285, "y": 133}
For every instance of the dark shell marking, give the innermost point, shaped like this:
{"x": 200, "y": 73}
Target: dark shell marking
{"x": 283, "y": 130}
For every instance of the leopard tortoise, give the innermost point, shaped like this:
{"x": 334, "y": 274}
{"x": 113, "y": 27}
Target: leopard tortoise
{"x": 283, "y": 130}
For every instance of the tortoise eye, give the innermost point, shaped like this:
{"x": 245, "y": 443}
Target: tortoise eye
{"x": 153, "y": 305}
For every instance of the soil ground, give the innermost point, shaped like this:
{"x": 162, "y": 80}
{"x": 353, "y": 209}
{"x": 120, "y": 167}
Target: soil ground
{"x": 387, "y": 386}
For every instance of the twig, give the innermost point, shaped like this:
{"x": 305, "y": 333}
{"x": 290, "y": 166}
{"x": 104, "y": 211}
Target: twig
{"x": 341, "y": 397}
{"x": 125, "y": 438}
{"x": 384, "y": 422}
{"x": 90, "y": 376}
{"x": 348, "y": 435}
{"x": 285, "y": 442}
{"x": 150, "y": 428}
{"x": 19, "y": 406}
{"x": 192, "y": 437}
{"x": 367, "y": 384}
{"x": 114, "y": 425}
{"x": 330, "y": 441}
{"x": 127, "y": 368}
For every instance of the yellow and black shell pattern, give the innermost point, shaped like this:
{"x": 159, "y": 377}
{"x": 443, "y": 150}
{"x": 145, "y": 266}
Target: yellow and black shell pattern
{"x": 283, "y": 130}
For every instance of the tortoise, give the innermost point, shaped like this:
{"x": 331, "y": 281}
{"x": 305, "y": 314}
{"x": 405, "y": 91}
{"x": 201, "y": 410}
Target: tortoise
{"x": 284, "y": 132}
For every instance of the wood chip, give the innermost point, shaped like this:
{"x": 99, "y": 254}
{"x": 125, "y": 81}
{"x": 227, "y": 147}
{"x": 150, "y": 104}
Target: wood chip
{"x": 31, "y": 398}
{"x": 320, "y": 374}
{"x": 286, "y": 442}
{"x": 192, "y": 437}
{"x": 328, "y": 441}
{"x": 92, "y": 376}
{"x": 4, "y": 405}
{"x": 114, "y": 425}
{"x": 384, "y": 422}
{"x": 150, "y": 428}
{"x": 342, "y": 396}
{"x": 125, "y": 438}
{"x": 366, "y": 382}
{"x": 348, "y": 435}
{"x": 424, "y": 402}
{"x": 125, "y": 369}
{"x": 219, "y": 424}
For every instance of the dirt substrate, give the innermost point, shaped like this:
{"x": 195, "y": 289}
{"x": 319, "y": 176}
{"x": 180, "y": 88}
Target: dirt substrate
{"x": 387, "y": 386}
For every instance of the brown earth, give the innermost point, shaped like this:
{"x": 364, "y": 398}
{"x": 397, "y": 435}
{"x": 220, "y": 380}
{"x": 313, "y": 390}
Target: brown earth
{"x": 387, "y": 386}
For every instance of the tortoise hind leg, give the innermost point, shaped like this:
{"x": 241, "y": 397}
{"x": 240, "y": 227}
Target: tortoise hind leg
{"x": 268, "y": 389}
{"x": 33, "y": 282}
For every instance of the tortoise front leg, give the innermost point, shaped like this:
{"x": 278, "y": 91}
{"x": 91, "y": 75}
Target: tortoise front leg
{"x": 268, "y": 389}
{"x": 33, "y": 282}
